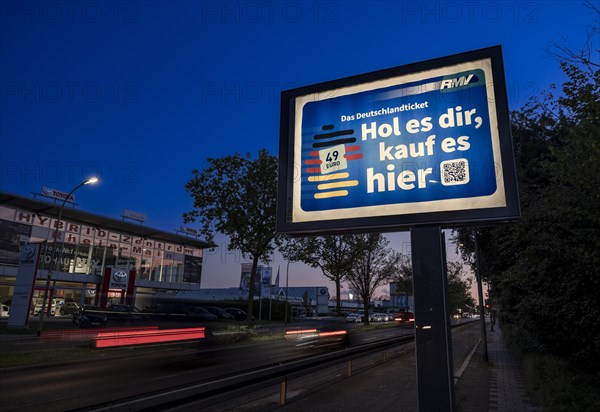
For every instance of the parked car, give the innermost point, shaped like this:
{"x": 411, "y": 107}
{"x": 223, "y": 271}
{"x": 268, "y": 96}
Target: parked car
{"x": 198, "y": 313}
{"x": 406, "y": 319}
{"x": 237, "y": 314}
{"x": 354, "y": 318}
{"x": 69, "y": 308}
{"x": 378, "y": 317}
{"x": 125, "y": 313}
{"x": 4, "y": 311}
{"x": 90, "y": 315}
{"x": 36, "y": 307}
{"x": 219, "y": 313}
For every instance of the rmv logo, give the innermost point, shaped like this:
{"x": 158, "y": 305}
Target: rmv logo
{"x": 461, "y": 81}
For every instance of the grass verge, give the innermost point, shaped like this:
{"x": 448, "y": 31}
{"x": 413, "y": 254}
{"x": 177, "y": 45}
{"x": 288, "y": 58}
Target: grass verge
{"x": 31, "y": 358}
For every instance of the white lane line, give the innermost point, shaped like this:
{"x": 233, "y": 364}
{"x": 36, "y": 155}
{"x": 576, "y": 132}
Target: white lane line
{"x": 466, "y": 362}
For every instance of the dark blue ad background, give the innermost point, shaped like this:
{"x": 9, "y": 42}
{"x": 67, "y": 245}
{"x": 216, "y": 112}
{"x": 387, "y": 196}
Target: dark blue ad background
{"x": 329, "y": 112}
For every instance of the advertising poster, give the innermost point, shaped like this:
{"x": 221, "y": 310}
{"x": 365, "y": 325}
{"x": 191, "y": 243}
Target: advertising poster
{"x": 262, "y": 280}
{"x": 192, "y": 269}
{"x": 245, "y": 277}
{"x": 12, "y": 234}
{"x": 416, "y": 143}
{"x": 29, "y": 257}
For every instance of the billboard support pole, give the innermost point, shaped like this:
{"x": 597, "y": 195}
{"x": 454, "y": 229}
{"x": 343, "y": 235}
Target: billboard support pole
{"x": 435, "y": 372}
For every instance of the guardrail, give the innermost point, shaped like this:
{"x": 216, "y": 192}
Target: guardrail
{"x": 268, "y": 376}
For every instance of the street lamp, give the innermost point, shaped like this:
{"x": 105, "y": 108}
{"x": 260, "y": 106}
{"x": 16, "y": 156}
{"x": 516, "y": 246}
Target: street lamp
{"x": 90, "y": 181}
{"x": 480, "y": 295}
{"x": 287, "y": 278}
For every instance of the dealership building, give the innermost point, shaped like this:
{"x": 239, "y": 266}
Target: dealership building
{"x": 82, "y": 250}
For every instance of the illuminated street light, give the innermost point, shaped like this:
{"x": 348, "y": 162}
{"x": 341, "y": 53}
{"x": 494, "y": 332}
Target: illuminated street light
{"x": 90, "y": 181}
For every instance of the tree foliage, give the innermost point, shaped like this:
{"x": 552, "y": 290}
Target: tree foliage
{"x": 332, "y": 254}
{"x": 544, "y": 270}
{"x": 403, "y": 277}
{"x": 374, "y": 264}
{"x": 236, "y": 196}
{"x": 459, "y": 285}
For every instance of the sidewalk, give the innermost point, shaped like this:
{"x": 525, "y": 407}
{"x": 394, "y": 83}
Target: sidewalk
{"x": 496, "y": 386}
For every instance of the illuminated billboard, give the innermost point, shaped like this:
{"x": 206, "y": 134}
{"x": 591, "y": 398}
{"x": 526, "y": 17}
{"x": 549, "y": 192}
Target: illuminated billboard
{"x": 426, "y": 143}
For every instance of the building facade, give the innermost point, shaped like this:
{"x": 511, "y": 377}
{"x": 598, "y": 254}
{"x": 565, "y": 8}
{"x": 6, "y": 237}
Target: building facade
{"x": 79, "y": 248}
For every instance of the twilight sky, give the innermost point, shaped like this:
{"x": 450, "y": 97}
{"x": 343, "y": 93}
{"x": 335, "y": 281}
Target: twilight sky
{"x": 142, "y": 92}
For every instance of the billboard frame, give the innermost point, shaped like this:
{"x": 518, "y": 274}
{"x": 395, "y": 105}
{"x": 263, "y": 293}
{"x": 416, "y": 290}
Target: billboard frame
{"x": 397, "y": 222}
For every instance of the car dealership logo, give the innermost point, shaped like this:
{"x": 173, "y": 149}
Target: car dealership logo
{"x": 27, "y": 254}
{"x": 119, "y": 276}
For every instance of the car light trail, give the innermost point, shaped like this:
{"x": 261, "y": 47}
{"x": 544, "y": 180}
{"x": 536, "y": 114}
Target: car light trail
{"x": 333, "y": 333}
{"x": 140, "y": 337}
{"x": 300, "y": 332}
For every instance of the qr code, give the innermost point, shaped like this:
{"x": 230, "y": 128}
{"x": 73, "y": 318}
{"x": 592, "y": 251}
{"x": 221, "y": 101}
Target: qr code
{"x": 455, "y": 172}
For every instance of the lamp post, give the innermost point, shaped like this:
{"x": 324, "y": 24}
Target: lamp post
{"x": 287, "y": 277}
{"x": 480, "y": 293}
{"x": 89, "y": 181}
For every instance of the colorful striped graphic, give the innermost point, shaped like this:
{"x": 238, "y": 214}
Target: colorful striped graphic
{"x": 335, "y": 150}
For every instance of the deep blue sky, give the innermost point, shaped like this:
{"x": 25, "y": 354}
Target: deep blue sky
{"x": 142, "y": 92}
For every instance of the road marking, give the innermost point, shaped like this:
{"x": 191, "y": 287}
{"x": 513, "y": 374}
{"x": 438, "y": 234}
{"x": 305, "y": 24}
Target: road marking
{"x": 466, "y": 362}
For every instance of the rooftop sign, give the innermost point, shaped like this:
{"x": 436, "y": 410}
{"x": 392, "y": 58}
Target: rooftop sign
{"x": 57, "y": 194}
{"x": 130, "y": 214}
{"x": 426, "y": 143}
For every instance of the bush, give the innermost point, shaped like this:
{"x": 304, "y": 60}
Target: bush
{"x": 561, "y": 386}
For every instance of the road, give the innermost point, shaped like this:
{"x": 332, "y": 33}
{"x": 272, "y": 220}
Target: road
{"x": 117, "y": 374}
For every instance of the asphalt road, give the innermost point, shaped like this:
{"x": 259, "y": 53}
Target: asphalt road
{"x": 118, "y": 374}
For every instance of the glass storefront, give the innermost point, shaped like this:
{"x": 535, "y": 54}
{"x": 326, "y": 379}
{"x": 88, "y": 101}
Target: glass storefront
{"x": 72, "y": 247}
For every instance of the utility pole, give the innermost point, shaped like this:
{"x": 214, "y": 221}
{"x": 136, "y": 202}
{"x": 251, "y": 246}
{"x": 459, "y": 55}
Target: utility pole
{"x": 480, "y": 295}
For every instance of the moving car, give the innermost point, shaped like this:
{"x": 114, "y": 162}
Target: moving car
{"x": 90, "y": 315}
{"x": 321, "y": 333}
{"x": 406, "y": 319}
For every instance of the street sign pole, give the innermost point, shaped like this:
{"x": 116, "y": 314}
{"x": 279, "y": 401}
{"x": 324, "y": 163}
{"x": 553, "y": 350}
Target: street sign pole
{"x": 435, "y": 372}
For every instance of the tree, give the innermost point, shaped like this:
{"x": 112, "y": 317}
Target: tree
{"x": 332, "y": 254}
{"x": 459, "y": 297}
{"x": 403, "y": 276}
{"x": 374, "y": 264}
{"x": 543, "y": 269}
{"x": 306, "y": 302}
{"x": 236, "y": 196}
